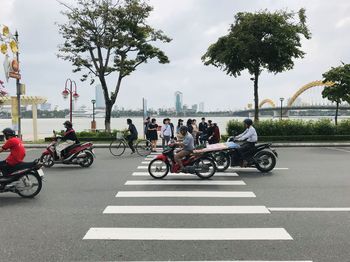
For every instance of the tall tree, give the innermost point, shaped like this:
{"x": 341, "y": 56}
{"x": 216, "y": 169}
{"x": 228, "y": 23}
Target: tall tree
{"x": 340, "y": 91}
{"x": 258, "y": 41}
{"x": 103, "y": 37}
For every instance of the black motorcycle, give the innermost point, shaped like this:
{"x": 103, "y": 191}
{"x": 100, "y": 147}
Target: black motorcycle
{"x": 24, "y": 180}
{"x": 262, "y": 157}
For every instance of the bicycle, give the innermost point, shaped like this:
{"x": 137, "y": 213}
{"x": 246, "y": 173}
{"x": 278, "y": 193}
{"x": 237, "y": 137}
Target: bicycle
{"x": 117, "y": 147}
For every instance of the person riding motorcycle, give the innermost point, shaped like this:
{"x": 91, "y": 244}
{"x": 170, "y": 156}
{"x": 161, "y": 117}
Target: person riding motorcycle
{"x": 187, "y": 145}
{"x": 69, "y": 138}
{"x": 17, "y": 152}
{"x": 249, "y": 136}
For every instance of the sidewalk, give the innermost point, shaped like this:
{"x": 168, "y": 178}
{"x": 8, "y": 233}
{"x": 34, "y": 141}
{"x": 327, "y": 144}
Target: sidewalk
{"x": 286, "y": 144}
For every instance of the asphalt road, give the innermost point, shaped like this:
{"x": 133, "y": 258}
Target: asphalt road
{"x": 52, "y": 226}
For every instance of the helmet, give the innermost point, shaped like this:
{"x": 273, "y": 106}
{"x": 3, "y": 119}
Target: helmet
{"x": 8, "y": 132}
{"x": 68, "y": 124}
{"x": 248, "y": 122}
{"x": 183, "y": 129}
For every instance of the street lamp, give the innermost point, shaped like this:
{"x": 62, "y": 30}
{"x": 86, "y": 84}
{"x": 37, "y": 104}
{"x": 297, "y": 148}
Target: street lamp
{"x": 281, "y": 99}
{"x": 72, "y": 94}
{"x": 93, "y": 123}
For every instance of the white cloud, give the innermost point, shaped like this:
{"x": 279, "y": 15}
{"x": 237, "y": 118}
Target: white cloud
{"x": 343, "y": 22}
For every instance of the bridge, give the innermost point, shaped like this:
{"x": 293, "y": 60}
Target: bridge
{"x": 267, "y": 105}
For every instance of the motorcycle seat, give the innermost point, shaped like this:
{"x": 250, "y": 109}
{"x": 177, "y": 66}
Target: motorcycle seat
{"x": 261, "y": 146}
{"x": 15, "y": 170}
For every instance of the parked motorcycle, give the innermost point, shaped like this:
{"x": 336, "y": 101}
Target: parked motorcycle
{"x": 25, "y": 180}
{"x": 77, "y": 154}
{"x": 200, "y": 164}
{"x": 262, "y": 157}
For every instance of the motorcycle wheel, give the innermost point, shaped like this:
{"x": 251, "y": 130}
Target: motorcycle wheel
{"x": 222, "y": 161}
{"x": 265, "y": 161}
{"x": 32, "y": 185}
{"x": 158, "y": 169}
{"x": 88, "y": 160}
{"x": 47, "y": 160}
{"x": 205, "y": 167}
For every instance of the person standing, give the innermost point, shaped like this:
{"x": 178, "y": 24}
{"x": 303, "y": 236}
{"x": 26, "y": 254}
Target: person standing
{"x": 203, "y": 126}
{"x": 145, "y": 126}
{"x": 195, "y": 132}
{"x": 172, "y": 129}
{"x": 210, "y": 130}
{"x": 215, "y": 137}
{"x": 165, "y": 132}
{"x": 180, "y": 123}
{"x": 153, "y": 134}
{"x": 189, "y": 126}
{"x": 132, "y": 136}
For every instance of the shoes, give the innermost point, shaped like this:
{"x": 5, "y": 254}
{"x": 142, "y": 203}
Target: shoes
{"x": 132, "y": 152}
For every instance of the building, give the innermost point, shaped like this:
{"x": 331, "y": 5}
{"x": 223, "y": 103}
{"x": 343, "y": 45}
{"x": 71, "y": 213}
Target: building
{"x": 194, "y": 108}
{"x": 99, "y": 96}
{"x": 201, "y": 107}
{"x": 45, "y": 107}
{"x": 178, "y": 102}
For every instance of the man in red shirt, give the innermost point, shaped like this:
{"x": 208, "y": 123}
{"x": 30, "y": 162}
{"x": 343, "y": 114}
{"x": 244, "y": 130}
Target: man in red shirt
{"x": 17, "y": 151}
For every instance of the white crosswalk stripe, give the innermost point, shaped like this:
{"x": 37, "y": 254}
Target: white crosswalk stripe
{"x": 185, "y": 182}
{"x": 186, "y": 210}
{"x": 224, "y": 194}
{"x": 116, "y": 233}
{"x": 180, "y": 175}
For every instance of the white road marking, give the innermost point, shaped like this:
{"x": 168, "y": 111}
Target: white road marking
{"x": 230, "y": 261}
{"x": 311, "y": 209}
{"x": 188, "y": 234}
{"x": 142, "y": 167}
{"x": 185, "y": 194}
{"x": 338, "y": 149}
{"x": 186, "y": 182}
{"x": 226, "y": 174}
{"x": 253, "y": 168}
{"x": 186, "y": 210}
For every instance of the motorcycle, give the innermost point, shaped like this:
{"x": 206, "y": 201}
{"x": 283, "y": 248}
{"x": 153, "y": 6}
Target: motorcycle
{"x": 200, "y": 164}
{"x": 77, "y": 154}
{"x": 25, "y": 180}
{"x": 262, "y": 157}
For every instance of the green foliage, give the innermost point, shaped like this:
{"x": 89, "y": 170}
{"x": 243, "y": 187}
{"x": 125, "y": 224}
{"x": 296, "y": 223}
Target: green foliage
{"x": 291, "y": 128}
{"x": 258, "y": 41}
{"x": 103, "y": 37}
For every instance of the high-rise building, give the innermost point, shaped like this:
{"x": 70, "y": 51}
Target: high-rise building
{"x": 201, "y": 107}
{"x": 194, "y": 108}
{"x": 99, "y": 96}
{"x": 178, "y": 102}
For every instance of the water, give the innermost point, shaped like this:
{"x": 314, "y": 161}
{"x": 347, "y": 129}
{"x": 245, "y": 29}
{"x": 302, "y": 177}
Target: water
{"x": 46, "y": 126}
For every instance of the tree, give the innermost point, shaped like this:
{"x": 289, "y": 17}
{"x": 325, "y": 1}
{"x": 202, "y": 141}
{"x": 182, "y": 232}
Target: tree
{"x": 258, "y": 41}
{"x": 340, "y": 90}
{"x": 103, "y": 37}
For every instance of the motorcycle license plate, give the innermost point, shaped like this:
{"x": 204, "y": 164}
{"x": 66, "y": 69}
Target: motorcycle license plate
{"x": 40, "y": 172}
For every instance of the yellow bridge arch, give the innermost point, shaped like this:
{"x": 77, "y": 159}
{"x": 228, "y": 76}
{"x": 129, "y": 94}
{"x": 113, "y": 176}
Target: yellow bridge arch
{"x": 267, "y": 101}
{"x": 307, "y": 87}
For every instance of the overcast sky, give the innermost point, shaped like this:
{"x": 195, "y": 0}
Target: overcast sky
{"x": 193, "y": 25}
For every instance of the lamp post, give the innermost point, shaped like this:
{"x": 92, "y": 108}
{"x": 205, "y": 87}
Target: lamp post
{"x": 93, "y": 123}
{"x": 72, "y": 94}
{"x": 281, "y": 99}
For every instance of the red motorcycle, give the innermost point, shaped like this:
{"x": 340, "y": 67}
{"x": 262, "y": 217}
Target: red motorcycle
{"x": 201, "y": 164}
{"x": 77, "y": 154}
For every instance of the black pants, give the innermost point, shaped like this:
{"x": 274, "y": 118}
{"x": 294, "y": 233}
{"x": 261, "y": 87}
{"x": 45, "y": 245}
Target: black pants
{"x": 5, "y": 168}
{"x": 131, "y": 139}
{"x": 245, "y": 150}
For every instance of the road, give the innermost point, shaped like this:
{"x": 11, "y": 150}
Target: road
{"x": 65, "y": 222}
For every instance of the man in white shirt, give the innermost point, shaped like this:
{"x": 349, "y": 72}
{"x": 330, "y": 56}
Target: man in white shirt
{"x": 249, "y": 136}
{"x": 166, "y": 132}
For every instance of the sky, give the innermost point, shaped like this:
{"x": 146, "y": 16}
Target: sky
{"x": 193, "y": 25}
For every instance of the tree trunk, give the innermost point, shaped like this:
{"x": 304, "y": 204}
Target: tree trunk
{"x": 336, "y": 114}
{"x": 109, "y": 106}
{"x": 256, "y": 96}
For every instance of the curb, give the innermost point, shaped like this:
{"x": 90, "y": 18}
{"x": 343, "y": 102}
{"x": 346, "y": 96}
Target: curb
{"x": 280, "y": 145}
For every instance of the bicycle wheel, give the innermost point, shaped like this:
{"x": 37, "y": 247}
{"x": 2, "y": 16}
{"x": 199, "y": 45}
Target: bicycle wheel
{"x": 117, "y": 147}
{"x": 143, "y": 147}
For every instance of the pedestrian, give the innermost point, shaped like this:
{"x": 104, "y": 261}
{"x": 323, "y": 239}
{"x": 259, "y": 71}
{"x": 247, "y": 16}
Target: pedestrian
{"x": 203, "y": 126}
{"x": 180, "y": 123}
{"x": 215, "y": 137}
{"x": 165, "y": 132}
{"x": 172, "y": 128}
{"x": 195, "y": 132}
{"x": 189, "y": 126}
{"x": 146, "y": 123}
{"x": 210, "y": 130}
{"x": 132, "y": 136}
{"x": 153, "y": 134}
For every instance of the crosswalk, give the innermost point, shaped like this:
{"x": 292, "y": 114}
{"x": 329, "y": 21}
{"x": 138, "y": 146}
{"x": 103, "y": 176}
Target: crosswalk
{"x": 227, "y": 186}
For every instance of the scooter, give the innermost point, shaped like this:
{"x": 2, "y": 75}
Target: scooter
{"x": 262, "y": 157}
{"x": 200, "y": 164}
{"x": 77, "y": 154}
{"x": 25, "y": 180}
